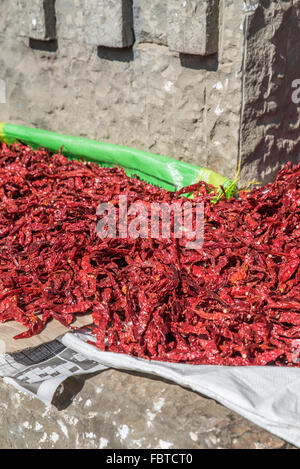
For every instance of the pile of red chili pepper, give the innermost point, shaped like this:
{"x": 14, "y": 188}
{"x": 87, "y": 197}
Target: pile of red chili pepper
{"x": 235, "y": 301}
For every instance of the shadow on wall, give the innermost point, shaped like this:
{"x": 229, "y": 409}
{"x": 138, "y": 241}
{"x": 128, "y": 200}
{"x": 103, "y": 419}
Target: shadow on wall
{"x": 44, "y": 46}
{"x": 194, "y": 62}
{"x": 271, "y": 122}
{"x": 72, "y": 386}
{"x": 209, "y": 63}
{"x": 115, "y": 54}
{"x": 198, "y": 62}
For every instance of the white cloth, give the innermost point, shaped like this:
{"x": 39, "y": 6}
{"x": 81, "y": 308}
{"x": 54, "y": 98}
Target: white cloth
{"x": 267, "y": 396}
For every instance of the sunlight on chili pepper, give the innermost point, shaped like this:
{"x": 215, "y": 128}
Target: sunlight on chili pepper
{"x": 233, "y": 301}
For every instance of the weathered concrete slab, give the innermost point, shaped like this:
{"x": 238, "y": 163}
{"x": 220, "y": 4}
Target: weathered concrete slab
{"x": 120, "y": 410}
{"x": 150, "y": 21}
{"x": 35, "y": 18}
{"x": 70, "y": 20}
{"x": 193, "y": 26}
{"x": 41, "y": 19}
{"x": 105, "y": 23}
{"x": 207, "y": 110}
{"x": 270, "y": 134}
{"x": 16, "y": 11}
{"x": 109, "y": 23}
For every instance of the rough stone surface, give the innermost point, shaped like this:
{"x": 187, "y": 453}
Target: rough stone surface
{"x": 105, "y": 23}
{"x": 36, "y": 19}
{"x": 116, "y": 410}
{"x": 207, "y": 110}
{"x": 271, "y": 120}
{"x": 41, "y": 19}
{"x": 150, "y": 24}
{"x": 147, "y": 97}
{"x": 2, "y": 92}
{"x": 108, "y": 22}
{"x": 193, "y": 26}
{"x": 70, "y": 20}
{"x": 17, "y": 14}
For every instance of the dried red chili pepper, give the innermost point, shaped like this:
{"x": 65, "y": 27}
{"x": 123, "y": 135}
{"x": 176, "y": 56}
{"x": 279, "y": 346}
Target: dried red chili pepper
{"x": 236, "y": 301}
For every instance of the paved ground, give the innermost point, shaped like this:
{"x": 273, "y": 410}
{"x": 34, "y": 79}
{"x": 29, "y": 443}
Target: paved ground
{"x": 122, "y": 410}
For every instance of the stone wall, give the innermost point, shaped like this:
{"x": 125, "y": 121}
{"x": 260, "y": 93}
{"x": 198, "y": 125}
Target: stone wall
{"x": 208, "y": 82}
{"x": 131, "y": 79}
{"x": 270, "y": 119}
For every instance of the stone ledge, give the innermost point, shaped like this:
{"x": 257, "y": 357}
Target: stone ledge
{"x": 193, "y": 26}
{"x": 105, "y": 23}
{"x": 116, "y": 410}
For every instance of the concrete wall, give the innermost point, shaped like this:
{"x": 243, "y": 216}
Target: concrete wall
{"x": 146, "y": 96}
{"x": 198, "y": 81}
{"x": 270, "y": 131}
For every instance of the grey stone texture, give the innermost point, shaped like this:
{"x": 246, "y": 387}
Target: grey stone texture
{"x": 108, "y": 22}
{"x": 193, "y": 26}
{"x": 36, "y": 19}
{"x": 105, "y": 23}
{"x": 70, "y": 20}
{"x": 116, "y": 410}
{"x": 150, "y": 24}
{"x": 41, "y": 19}
{"x": 270, "y": 119}
{"x": 146, "y": 97}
